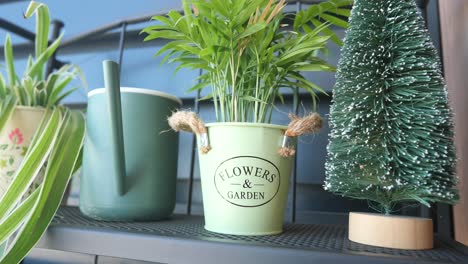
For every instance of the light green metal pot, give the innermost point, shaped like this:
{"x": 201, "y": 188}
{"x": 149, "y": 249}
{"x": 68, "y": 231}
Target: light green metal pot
{"x": 245, "y": 182}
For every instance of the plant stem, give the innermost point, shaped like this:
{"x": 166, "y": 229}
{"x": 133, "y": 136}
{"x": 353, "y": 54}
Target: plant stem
{"x": 215, "y": 97}
{"x": 233, "y": 87}
{"x": 257, "y": 87}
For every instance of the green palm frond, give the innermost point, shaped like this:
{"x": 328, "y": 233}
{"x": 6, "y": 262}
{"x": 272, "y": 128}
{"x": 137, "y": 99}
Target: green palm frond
{"x": 246, "y": 52}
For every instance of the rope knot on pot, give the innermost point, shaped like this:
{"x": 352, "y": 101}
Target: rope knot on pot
{"x": 297, "y": 127}
{"x": 190, "y": 122}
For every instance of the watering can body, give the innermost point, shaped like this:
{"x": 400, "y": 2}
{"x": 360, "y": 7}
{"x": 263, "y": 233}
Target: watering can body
{"x": 142, "y": 188}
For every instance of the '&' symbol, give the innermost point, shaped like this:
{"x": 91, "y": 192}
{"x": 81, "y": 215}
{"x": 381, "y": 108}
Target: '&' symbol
{"x": 247, "y": 184}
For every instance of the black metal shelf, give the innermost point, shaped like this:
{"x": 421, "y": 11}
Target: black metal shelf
{"x": 183, "y": 239}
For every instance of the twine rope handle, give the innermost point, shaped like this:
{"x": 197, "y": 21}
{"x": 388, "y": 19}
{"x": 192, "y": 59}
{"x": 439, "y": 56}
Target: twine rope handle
{"x": 190, "y": 122}
{"x": 298, "y": 126}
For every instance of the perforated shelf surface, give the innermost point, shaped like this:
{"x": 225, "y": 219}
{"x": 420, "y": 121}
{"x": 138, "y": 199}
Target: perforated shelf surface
{"x": 183, "y": 234}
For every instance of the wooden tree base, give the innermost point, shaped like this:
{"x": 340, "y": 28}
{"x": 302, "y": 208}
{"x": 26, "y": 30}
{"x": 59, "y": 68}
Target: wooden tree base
{"x": 401, "y": 232}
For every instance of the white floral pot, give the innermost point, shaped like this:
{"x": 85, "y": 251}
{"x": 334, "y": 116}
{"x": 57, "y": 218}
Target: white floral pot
{"x": 15, "y": 139}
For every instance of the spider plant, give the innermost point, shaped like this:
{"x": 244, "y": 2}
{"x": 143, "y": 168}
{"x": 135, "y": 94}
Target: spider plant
{"x": 55, "y": 148}
{"x": 248, "y": 51}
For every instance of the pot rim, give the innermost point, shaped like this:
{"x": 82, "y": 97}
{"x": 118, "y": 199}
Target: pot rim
{"x": 246, "y": 124}
{"x": 138, "y": 90}
{"x": 396, "y": 217}
{"x": 31, "y": 108}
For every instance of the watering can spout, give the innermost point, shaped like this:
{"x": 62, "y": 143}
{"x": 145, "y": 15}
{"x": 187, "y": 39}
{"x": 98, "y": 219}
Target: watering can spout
{"x": 112, "y": 85}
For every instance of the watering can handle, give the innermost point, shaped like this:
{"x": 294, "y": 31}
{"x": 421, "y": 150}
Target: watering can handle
{"x": 112, "y": 85}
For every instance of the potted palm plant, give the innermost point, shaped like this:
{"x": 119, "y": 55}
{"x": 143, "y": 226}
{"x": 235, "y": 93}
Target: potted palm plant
{"x": 40, "y": 142}
{"x": 247, "y": 51}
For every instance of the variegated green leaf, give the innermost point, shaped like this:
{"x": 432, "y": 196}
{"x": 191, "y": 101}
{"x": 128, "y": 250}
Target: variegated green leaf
{"x": 61, "y": 164}
{"x": 32, "y": 163}
{"x": 9, "y": 60}
{"x": 42, "y": 25}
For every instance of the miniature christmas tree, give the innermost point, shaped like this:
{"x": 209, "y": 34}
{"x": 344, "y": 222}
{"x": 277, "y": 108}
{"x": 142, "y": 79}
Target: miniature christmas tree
{"x": 391, "y": 139}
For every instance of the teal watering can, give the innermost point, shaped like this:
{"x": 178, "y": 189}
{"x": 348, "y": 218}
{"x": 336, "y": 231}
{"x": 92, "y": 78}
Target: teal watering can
{"x": 130, "y": 155}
